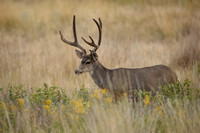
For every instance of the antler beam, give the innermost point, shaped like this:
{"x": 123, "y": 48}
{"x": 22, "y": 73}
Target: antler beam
{"x": 92, "y": 43}
{"x": 75, "y": 43}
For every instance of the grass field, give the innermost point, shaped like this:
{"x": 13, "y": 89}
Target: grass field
{"x": 136, "y": 33}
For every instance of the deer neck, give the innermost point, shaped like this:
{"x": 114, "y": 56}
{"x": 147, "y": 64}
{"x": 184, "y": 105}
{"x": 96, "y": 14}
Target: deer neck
{"x": 100, "y": 75}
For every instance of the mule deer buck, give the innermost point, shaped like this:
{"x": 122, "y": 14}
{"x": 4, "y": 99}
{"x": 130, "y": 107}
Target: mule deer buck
{"x": 118, "y": 80}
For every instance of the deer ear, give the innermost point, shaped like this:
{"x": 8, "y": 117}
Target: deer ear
{"x": 94, "y": 56}
{"x": 80, "y": 54}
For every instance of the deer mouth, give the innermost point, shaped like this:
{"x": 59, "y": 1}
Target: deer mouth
{"x": 78, "y": 72}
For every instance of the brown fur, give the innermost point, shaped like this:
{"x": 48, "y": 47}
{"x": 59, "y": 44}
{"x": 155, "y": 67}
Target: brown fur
{"x": 129, "y": 80}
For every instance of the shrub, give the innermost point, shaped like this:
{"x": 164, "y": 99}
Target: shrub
{"x": 47, "y": 107}
{"x": 54, "y": 93}
{"x": 179, "y": 91}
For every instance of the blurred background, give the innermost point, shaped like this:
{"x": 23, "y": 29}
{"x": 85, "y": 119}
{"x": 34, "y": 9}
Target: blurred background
{"x": 136, "y": 33}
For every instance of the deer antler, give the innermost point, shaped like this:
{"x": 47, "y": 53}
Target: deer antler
{"x": 92, "y": 43}
{"x": 75, "y": 43}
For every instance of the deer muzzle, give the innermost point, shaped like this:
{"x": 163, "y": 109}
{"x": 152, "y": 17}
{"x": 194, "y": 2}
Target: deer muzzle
{"x": 78, "y": 72}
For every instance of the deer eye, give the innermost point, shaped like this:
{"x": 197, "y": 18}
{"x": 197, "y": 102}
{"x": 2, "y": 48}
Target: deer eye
{"x": 87, "y": 62}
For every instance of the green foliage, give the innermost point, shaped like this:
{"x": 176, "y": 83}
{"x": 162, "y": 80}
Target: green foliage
{"x": 83, "y": 93}
{"x": 35, "y": 96}
{"x": 53, "y": 109}
{"x": 140, "y": 94}
{"x": 53, "y": 93}
{"x": 179, "y": 91}
{"x": 16, "y": 92}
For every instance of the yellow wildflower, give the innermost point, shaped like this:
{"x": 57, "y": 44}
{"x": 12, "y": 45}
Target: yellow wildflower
{"x": 53, "y": 113}
{"x": 3, "y": 105}
{"x": 62, "y": 107}
{"x": 104, "y": 91}
{"x": 48, "y": 102}
{"x": 146, "y": 100}
{"x": 97, "y": 94}
{"x": 26, "y": 110}
{"x": 20, "y": 101}
{"x": 159, "y": 110}
{"x": 88, "y": 104}
{"x": 72, "y": 102}
{"x": 13, "y": 107}
{"x": 125, "y": 95}
{"x": 71, "y": 115}
{"x": 108, "y": 100}
{"x": 97, "y": 91}
{"x": 180, "y": 112}
{"x": 80, "y": 110}
{"x": 79, "y": 103}
{"x": 47, "y": 107}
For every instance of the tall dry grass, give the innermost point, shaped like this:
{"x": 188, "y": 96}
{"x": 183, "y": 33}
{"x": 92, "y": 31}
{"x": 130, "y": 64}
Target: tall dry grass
{"x": 135, "y": 34}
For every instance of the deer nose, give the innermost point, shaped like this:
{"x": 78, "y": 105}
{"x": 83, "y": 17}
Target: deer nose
{"x": 77, "y": 72}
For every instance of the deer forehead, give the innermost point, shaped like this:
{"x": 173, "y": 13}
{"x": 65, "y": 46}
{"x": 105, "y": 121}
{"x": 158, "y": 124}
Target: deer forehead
{"x": 86, "y": 58}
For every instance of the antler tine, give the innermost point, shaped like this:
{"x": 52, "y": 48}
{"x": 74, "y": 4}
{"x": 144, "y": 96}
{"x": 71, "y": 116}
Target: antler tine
{"x": 99, "y": 25}
{"x": 75, "y": 43}
{"x": 92, "y": 43}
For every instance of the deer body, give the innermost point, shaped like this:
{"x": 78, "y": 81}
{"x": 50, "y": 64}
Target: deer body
{"x": 119, "y": 80}
{"x": 126, "y": 80}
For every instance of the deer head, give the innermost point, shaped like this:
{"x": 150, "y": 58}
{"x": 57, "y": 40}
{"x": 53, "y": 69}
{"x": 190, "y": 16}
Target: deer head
{"x": 89, "y": 61}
